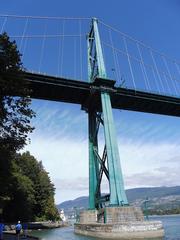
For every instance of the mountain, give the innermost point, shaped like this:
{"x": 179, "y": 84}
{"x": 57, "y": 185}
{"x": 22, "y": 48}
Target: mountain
{"x": 81, "y": 202}
{"x": 141, "y": 193}
{"x": 160, "y": 198}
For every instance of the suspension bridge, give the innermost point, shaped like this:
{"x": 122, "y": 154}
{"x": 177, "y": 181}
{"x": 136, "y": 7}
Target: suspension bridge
{"x": 55, "y": 50}
{"x": 87, "y": 62}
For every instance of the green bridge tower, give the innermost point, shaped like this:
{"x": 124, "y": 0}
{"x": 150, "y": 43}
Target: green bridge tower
{"x": 99, "y": 111}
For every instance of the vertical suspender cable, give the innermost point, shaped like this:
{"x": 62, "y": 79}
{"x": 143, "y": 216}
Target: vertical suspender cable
{"x": 74, "y": 58}
{"x": 59, "y": 55}
{"x": 25, "y": 43}
{"x": 118, "y": 68}
{"x": 24, "y": 49}
{"x": 156, "y": 83}
{"x": 80, "y": 49}
{"x": 24, "y": 31}
{"x": 177, "y": 67}
{"x": 129, "y": 61}
{"x": 169, "y": 73}
{"x": 3, "y": 25}
{"x": 42, "y": 47}
{"x": 143, "y": 69}
{"x": 62, "y": 46}
{"x": 169, "y": 89}
{"x": 158, "y": 74}
{"x": 113, "y": 52}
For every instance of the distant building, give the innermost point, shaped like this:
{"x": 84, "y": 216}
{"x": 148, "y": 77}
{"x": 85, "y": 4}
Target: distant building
{"x": 61, "y": 214}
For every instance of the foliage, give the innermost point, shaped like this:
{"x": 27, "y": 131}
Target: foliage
{"x": 21, "y": 193}
{"x": 15, "y": 112}
{"x": 164, "y": 211}
{"x": 26, "y": 191}
{"x": 31, "y": 193}
{"x": 44, "y": 208}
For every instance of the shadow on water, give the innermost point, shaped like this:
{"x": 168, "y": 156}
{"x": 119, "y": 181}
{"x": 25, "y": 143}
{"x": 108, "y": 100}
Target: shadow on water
{"x": 171, "y": 226}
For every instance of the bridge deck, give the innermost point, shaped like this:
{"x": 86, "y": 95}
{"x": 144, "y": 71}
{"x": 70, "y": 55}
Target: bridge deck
{"x": 78, "y": 92}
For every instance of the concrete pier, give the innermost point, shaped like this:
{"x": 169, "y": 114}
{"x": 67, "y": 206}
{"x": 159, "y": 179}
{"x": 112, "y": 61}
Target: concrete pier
{"x": 118, "y": 223}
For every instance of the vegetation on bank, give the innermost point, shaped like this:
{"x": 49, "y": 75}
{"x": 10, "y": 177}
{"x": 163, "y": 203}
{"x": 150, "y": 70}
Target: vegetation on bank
{"x": 163, "y": 211}
{"x": 26, "y": 191}
{"x": 29, "y": 193}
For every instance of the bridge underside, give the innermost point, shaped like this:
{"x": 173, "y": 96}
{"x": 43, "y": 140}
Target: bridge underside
{"x": 79, "y": 92}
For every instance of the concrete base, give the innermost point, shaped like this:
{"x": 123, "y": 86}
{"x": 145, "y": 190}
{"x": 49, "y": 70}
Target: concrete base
{"x": 118, "y": 223}
{"x": 88, "y": 216}
{"x": 126, "y": 230}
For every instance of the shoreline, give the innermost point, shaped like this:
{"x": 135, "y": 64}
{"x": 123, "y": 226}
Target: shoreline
{"x": 10, "y": 227}
{"x": 13, "y": 236}
{"x": 164, "y": 215}
{"x": 46, "y": 225}
{"x": 10, "y": 234}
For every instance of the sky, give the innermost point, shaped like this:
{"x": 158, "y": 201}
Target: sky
{"x": 148, "y": 143}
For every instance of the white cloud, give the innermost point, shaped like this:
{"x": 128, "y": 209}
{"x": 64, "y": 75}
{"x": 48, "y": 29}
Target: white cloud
{"x": 143, "y": 164}
{"x": 164, "y": 176}
{"x": 140, "y": 157}
{"x": 64, "y": 158}
{"x": 73, "y": 188}
{"x": 61, "y": 142}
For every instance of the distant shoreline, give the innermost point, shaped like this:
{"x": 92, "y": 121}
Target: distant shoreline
{"x": 165, "y": 215}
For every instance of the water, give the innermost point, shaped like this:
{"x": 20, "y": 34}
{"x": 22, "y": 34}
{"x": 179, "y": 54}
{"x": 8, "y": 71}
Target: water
{"x": 171, "y": 226}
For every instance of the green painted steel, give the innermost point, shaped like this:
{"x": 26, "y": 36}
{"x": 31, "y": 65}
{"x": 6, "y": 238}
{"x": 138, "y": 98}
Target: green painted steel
{"x": 99, "y": 53}
{"x": 96, "y": 164}
{"x": 115, "y": 178}
{"x": 105, "y": 216}
{"x": 93, "y": 144}
{"x": 92, "y": 161}
{"x": 89, "y": 63}
{"x": 117, "y": 192}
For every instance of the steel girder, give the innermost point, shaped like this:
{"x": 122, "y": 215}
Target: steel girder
{"x": 109, "y": 163}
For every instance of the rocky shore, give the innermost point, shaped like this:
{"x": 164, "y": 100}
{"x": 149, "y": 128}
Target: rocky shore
{"x": 9, "y": 229}
{"x": 46, "y": 225}
{"x": 13, "y": 236}
{"x": 37, "y": 225}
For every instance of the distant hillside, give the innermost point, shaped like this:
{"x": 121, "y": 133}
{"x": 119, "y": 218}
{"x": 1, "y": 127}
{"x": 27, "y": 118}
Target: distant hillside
{"x": 141, "y": 193}
{"x": 81, "y": 202}
{"x": 159, "y": 198}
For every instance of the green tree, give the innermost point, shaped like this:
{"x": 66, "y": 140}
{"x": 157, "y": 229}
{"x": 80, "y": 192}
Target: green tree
{"x": 15, "y": 111}
{"x": 26, "y": 191}
{"x": 45, "y": 208}
{"x": 21, "y": 199}
{"x": 31, "y": 192}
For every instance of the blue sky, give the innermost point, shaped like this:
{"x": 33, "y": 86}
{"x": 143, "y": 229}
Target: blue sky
{"x": 148, "y": 144}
